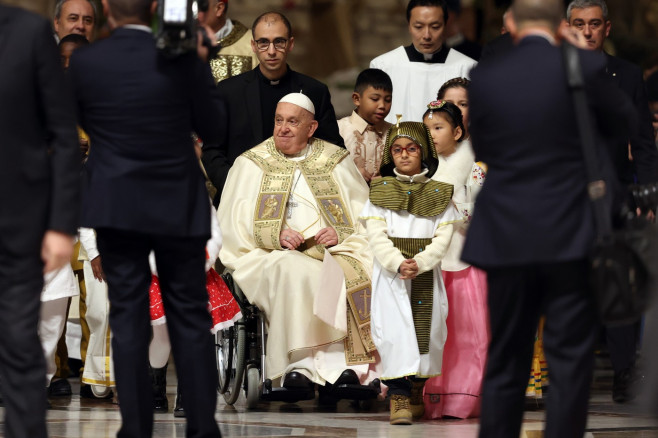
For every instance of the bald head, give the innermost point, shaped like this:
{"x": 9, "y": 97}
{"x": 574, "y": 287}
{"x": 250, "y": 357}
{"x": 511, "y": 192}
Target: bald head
{"x": 269, "y": 19}
{"x": 130, "y": 11}
{"x": 545, "y": 13}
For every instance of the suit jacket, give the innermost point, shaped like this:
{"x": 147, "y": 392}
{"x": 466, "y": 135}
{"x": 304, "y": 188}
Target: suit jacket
{"x": 644, "y": 166}
{"x": 39, "y": 153}
{"x": 533, "y": 207}
{"x": 497, "y": 47}
{"x": 244, "y": 120}
{"x": 140, "y": 109}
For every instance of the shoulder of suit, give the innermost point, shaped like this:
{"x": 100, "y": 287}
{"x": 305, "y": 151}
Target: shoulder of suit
{"x": 307, "y": 82}
{"x": 12, "y": 14}
{"x": 230, "y": 84}
{"x": 622, "y": 65}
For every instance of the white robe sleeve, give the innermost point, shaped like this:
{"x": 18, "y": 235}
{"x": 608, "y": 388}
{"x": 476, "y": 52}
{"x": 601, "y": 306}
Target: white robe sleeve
{"x": 434, "y": 252}
{"x": 382, "y": 247}
{"x": 88, "y": 242}
{"x": 214, "y": 244}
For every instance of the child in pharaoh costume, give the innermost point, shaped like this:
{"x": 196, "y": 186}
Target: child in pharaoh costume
{"x": 409, "y": 219}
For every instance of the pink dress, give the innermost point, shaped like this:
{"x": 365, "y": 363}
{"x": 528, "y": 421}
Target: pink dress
{"x": 222, "y": 306}
{"x": 456, "y": 392}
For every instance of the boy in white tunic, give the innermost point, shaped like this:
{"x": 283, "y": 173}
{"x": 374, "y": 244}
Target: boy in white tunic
{"x": 409, "y": 219}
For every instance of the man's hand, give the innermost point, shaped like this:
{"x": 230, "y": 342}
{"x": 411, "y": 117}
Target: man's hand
{"x": 56, "y": 250}
{"x": 203, "y": 50}
{"x": 327, "y": 236}
{"x": 290, "y": 239}
{"x": 408, "y": 269}
{"x": 97, "y": 269}
{"x": 571, "y": 35}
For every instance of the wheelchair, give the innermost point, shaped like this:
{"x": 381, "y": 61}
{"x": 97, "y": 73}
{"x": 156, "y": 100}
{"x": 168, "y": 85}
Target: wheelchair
{"x": 240, "y": 356}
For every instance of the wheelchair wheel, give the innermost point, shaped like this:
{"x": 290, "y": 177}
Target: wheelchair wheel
{"x": 253, "y": 387}
{"x": 230, "y": 348}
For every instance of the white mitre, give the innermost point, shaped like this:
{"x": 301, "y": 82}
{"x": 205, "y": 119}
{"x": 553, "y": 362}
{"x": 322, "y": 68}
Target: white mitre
{"x": 300, "y": 100}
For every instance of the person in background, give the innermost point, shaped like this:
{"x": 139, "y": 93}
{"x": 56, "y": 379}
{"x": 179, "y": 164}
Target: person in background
{"x": 39, "y": 191}
{"x": 235, "y": 56}
{"x": 364, "y": 131}
{"x": 419, "y": 69}
{"x": 253, "y": 96}
{"x": 589, "y": 18}
{"x": 536, "y": 257}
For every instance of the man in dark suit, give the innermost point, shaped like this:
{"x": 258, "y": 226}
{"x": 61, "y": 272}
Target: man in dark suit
{"x": 144, "y": 191}
{"x": 590, "y": 18}
{"x": 252, "y": 98}
{"x": 533, "y": 225}
{"x": 39, "y": 185}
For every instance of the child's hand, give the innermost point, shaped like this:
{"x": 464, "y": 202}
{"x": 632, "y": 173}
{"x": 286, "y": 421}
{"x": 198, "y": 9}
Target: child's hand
{"x": 408, "y": 269}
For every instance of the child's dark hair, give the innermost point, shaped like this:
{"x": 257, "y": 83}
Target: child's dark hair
{"x": 375, "y": 78}
{"x": 435, "y": 3}
{"x": 74, "y": 38}
{"x": 452, "y": 111}
{"x": 452, "y": 83}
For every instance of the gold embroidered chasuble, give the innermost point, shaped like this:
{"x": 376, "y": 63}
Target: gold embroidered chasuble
{"x": 235, "y": 56}
{"x": 270, "y": 275}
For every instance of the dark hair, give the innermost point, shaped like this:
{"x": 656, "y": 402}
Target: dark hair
{"x": 140, "y": 9}
{"x": 454, "y": 115}
{"x": 435, "y": 3}
{"x": 74, "y": 38}
{"x": 375, "y": 78}
{"x": 452, "y": 83}
{"x": 278, "y": 15}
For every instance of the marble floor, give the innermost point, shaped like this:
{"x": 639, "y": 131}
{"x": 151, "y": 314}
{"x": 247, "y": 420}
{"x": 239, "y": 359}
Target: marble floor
{"x": 74, "y": 417}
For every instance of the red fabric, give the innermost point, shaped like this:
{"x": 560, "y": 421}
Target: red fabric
{"x": 222, "y": 306}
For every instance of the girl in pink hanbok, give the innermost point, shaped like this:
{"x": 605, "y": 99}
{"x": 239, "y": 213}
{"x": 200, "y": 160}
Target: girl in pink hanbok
{"x": 456, "y": 392}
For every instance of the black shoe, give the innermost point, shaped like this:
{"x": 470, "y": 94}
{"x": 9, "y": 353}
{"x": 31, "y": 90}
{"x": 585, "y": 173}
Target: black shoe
{"x": 621, "y": 386}
{"x": 347, "y": 377}
{"x": 326, "y": 397}
{"x": 179, "y": 412}
{"x": 59, "y": 388}
{"x": 86, "y": 392}
{"x": 296, "y": 380}
{"x": 159, "y": 386}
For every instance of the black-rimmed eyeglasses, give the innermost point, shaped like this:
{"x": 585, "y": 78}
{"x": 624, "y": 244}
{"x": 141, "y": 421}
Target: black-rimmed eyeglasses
{"x": 280, "y": 44}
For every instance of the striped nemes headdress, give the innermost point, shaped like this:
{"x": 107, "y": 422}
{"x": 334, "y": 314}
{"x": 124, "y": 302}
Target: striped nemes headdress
{"x": 419, "y": 134}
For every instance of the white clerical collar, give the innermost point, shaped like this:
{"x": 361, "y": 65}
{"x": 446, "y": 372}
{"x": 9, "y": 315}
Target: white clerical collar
{"x": 419, "y": 177}
{"x": 299, "y": 155}
{"x": 141, "y": 27}
{"x": 426, "y": 56}
{"x": 225, "y": 30}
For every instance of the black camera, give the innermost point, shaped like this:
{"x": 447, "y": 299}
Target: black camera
{"x": 178, "y": 26}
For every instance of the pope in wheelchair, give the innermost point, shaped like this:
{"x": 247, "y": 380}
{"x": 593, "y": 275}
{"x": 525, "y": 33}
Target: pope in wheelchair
{"x": 289, "y": 216}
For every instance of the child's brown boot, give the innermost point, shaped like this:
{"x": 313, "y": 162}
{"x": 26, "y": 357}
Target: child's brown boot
{"x": 400, "y": 412}
{"x": 417, "y": 406}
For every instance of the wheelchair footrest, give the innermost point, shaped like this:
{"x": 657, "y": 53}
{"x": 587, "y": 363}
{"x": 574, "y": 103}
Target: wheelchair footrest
{"x": 355, "y": 392}
{"x": 287, "y": 395}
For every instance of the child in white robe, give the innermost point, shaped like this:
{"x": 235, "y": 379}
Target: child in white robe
{"x": 409, "y": 219}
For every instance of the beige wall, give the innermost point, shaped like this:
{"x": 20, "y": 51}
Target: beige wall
{"x": 44, "y": 7}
